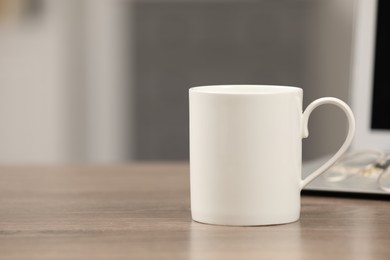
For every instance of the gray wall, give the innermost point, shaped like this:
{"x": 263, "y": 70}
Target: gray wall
{"x": 180, "y": 44}
{"x": 327, "y": 72}
{"x": 113, "y": 76}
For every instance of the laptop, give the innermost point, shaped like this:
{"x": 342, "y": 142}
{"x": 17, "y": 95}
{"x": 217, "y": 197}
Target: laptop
{"x": 370, "y": 99}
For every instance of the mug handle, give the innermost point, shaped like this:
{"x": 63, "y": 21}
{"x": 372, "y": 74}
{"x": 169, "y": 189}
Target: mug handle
{"x": 305, "y": 133}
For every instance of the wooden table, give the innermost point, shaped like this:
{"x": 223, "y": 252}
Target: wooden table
{"x": 142, "y": 211}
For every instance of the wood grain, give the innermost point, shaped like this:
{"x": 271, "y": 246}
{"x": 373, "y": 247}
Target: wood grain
{"x": 142, "y": 211}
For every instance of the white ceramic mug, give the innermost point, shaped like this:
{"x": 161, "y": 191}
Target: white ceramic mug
{"x": 245, "y": 153}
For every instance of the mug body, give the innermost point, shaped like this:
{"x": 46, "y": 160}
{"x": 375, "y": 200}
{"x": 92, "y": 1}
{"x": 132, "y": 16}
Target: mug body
{"x": 245, "y": 154}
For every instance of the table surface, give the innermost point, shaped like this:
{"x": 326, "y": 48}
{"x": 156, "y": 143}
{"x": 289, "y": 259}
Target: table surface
{"x": 142, "y": 211}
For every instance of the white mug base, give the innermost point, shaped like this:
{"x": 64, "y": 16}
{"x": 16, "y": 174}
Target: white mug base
{"x": 245, "y": 222}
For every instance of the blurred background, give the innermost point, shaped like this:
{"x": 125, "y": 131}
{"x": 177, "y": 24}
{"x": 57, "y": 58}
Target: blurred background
{"x": 105, "y": 81}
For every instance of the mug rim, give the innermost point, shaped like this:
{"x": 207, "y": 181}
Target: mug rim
{"x": 244, "y": 89}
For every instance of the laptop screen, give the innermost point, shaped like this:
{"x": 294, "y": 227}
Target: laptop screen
{"x": 380, "y": 117}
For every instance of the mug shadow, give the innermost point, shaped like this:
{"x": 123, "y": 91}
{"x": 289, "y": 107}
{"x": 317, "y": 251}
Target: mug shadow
{"x": 249, "y": 242}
